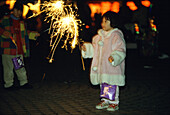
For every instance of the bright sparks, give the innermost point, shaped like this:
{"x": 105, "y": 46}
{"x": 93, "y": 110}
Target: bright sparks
{"x": 63, "y": 24}
{"x": 66, "y": 27}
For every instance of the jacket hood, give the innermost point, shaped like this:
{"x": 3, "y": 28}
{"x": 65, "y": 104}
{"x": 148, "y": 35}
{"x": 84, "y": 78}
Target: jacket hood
{"x": 101, "y": 32}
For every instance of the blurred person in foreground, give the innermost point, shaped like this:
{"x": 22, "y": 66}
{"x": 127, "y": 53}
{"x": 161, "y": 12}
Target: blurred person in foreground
{"x": 14, "y": 45}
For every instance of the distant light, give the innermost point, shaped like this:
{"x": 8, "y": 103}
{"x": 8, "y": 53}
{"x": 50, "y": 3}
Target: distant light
{"x": 136, "y": 28}
{"x": 87, "y": 26}
{"x": 146, "y": 3}
{"x": 153, "y": 26}
{"x": 95, "y": 8}
{"x": 10, "y": 3}
{"x": 105, "y": 6}
{"x": 33, "y": 7}
{"x": 132, "y": 5}
{"x": 115, "y": 7}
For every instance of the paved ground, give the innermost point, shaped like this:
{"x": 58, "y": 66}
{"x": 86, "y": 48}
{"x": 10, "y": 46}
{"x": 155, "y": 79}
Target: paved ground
{"x": 52, "y": 98}
{"x": 65, "y": 90}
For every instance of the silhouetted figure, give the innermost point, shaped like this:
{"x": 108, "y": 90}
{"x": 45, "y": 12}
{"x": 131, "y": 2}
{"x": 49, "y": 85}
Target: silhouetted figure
{"x": 141, "y": 15}
{"x": 125, "y": 14}
{"x": 98, "y": 20}
{"x": 84, "y": 13}
{"x": 125, "y": 21}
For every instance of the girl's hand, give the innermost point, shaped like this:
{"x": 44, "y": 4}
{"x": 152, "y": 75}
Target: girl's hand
{"x": 110, "y": 59}
{"x": 83, "y": 47}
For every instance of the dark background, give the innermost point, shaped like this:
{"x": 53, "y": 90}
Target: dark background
{"x": 68, "y": 66}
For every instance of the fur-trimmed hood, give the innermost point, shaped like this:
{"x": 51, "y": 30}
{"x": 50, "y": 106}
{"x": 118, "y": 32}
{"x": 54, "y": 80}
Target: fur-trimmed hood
{"x": 103, "y": 33}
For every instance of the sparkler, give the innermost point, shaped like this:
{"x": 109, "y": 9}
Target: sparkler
{"x": 63, "y": 22}
{"x": 66, "y": 26}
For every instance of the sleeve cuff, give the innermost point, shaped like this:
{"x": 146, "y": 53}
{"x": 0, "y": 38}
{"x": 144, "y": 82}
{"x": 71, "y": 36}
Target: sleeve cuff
{"x": 32, "y": 36}
{"x": 89, "y": 51}
{"x": 113, "y": 63}
{"x": 118, "y": 57}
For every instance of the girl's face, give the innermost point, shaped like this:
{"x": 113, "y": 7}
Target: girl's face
{"x": 17, "y": 13}
{"x": 106, "y": 24}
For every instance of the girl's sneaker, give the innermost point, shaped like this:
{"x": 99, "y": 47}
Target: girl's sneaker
{"x": 113, "y": 107}
{"x": 102, "y": 105}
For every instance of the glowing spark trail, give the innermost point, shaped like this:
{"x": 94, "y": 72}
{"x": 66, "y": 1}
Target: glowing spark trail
{"x": 63, "y": 24}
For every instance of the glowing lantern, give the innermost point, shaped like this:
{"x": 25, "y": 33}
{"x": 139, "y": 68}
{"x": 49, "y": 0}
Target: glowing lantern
{"x": 34, "y": 8}
{"x": 132, "y": 5}
{"x": 10, "y": 3}
{"x": 95, "y": 8}
{"x": 136, "y": 28}
{"x": 152, "y": 25}
{"x": 105, "y": 6}
{"x": 115, "y": 7}
{"x": 146, "y": 3}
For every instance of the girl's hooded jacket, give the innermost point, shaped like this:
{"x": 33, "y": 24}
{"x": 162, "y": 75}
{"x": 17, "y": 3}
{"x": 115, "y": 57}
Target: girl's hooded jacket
{"x": 104, "y": 45}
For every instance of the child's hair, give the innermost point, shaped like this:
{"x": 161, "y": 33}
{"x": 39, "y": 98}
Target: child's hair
{"x": 112, "y": 17}
{"x": 18, "y": 5}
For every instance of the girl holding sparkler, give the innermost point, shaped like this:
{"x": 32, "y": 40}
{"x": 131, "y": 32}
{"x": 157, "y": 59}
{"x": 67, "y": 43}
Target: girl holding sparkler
{"x": 108, "y": 50}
